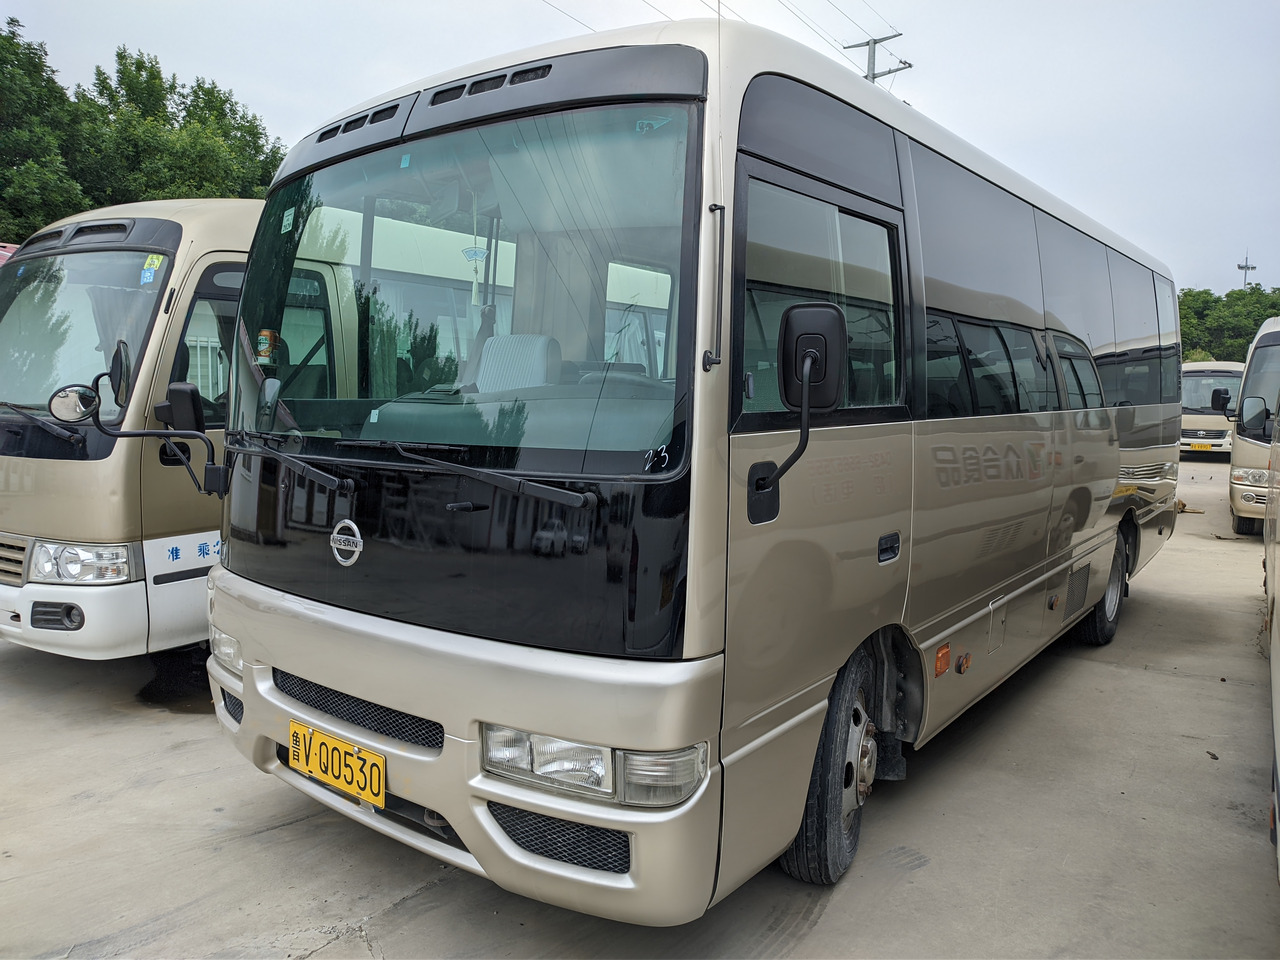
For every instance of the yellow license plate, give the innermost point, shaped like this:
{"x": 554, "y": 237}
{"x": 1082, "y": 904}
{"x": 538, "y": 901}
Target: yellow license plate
{"x": 1202, "y": 446}
{"x": 337, "y": 763}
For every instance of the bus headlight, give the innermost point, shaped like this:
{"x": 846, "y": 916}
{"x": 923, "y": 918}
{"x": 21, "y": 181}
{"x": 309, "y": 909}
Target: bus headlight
{"x": 1258, "y": 478}
{"x": 226, "y": 650}
{"x": 79, "y": 563}
{"x": 647, "y": 779}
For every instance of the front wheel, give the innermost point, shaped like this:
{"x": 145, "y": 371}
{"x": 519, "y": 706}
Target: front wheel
{"x": 1243, "y": 525}
{"x": 1098, "y": 628}
{"x": 843, "y": 772}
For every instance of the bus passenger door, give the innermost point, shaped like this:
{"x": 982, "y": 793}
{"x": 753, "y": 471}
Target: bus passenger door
{"x": 181, "y": 527}
{"x": 809, "y": 581}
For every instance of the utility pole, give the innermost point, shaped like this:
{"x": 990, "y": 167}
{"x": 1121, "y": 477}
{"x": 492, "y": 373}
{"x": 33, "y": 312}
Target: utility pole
{"x": 1246, "y": 267}
{"x": 871, "y": 57}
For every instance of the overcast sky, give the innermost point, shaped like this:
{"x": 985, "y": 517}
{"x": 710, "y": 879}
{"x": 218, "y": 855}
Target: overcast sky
{"x": 1158, "y": 118}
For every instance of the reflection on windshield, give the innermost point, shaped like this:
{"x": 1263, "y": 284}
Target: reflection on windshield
{"x": 61, "y": 317}
{"x": 1262, "y": 378}
{"x": 507, "y": 293}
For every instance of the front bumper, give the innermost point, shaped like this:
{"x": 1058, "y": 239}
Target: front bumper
{"x": 667, "y": 875}
{"x": 115, "y": 619}
{"x": 1247, "y": 500}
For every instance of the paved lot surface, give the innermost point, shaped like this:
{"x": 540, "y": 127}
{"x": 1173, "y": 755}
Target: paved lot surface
{"x": 1104, "y": 802}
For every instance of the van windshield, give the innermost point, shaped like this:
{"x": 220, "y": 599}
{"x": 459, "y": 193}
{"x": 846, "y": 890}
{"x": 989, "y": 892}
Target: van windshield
{"x": 1262, "y": 376}
{"x": 61, "y": 318}
{"x": 508, "y": 295}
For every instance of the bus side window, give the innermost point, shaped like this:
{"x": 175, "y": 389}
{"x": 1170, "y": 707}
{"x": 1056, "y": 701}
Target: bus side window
{"x": 202, "y": 358}
{"x": 949, "y": 393}
{"x": 1084, "y": 391}
{"x": 800, "y": 249}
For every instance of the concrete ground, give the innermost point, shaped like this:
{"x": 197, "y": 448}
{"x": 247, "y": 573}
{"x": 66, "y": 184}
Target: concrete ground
{"x": 1105, "y": 802}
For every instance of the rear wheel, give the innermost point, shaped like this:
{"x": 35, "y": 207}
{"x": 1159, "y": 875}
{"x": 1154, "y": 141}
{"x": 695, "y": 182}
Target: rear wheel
{"x": 843, "y": 772}
{"x": 1098, "y": 628}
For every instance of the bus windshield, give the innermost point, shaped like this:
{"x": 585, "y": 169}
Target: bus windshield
{"x": 61, "y": 318}
{"x": 506, "y": 295}
{"x": 1197, "y": 389}
{"x": 1262, "y": 378}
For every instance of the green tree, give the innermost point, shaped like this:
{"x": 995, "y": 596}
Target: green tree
{"x": 1223, "y": 326}
{"x": 35, "y": 112}
{"x": 133, "y": 134}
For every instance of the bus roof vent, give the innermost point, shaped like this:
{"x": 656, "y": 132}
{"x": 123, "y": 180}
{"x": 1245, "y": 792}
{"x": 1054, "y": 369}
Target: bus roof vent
{"x": 487, "y": 84}
{"x": 355, "y": 124}
{"x": 445, "y": 96}
{"x": 533, "y": 73}
{"x": 327, "y": 134}
{"x": 386, "y": 113}
{"x": 99, "y": 232}
{"x": 44, "y": 240}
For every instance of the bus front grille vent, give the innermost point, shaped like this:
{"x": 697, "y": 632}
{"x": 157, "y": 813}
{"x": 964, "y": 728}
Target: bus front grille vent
{"x": 370, "y": 716}
{"x": 1077, "y": 587}
{"x": 234, "y": 705}
{"x": 580, "y": 844}
{"x": 13, "y": 552}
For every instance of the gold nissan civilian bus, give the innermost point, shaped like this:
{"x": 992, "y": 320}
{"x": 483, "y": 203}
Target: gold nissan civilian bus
{"x": 1251, "y": 446}
{"x": 807, "y": 386}
{"x": 104, "y": 541}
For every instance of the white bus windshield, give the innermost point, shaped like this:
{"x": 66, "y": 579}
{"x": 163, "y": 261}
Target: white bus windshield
{"x": 61, "y": 318}
{"x": 507, "y": 293}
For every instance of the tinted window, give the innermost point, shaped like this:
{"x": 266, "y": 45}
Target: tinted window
{"x": 1084, "y": 391}
{"x": 1077, "y": 285}
{"x": 799, "y": 250}
{"x": 1170, "y": 348}
{"x": 203, "y": 358}
{"x": 797, "y": 126}
{"x": 978, "y": 244}
{"x": 1009, "y": 374}
{"x": 949, "y": 394}
{"x": 1133, "y": 374}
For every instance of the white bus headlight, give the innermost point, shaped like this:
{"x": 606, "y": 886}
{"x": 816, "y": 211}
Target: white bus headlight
{"x": 647, "y": 779}
{"x": 1258, "y": 478}
{"x": 226, "y": 650}
{"x": 79, "y": 563}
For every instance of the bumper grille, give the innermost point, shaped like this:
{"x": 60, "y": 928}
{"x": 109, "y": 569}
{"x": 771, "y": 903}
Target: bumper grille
{"x": 1147, "y": 471}
{"x": 1204, "y": 434}
{"x": 13, "y": 554}
{"x": 595, "y": 848}
{"x": 370, "y": 716}
{"x": 234, "y": 705}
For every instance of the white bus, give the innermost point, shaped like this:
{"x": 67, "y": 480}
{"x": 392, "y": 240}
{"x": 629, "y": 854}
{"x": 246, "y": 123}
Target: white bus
{"x": 808, "y": 386}
{"x": 104, "y": 539}
{"x": 1202, "y": 428}
{"x": 1251, "y": 446}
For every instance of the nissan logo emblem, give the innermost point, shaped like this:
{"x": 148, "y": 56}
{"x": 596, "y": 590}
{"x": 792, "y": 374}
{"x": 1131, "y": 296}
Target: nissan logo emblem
{"x": 346, "y": 537}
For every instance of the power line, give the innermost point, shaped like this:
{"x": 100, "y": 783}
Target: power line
{"x": 832, "y": 41}
{"x": 569, "y": 15}
{"x": 655, "y": 9}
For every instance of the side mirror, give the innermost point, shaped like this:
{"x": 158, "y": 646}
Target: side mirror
{"x": 813, "y": 334}
{"x": 121, "y": 374}
{"x": 813, "y": 351}
{"x": 1254, "y": 416}
{"x": 1219, "y": 399}
{"x": 182, "y": 410}
{"x": 74, "y": 404}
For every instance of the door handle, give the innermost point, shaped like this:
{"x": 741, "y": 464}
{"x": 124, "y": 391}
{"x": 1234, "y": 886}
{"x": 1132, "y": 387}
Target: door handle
{"x": 889, "y": 547}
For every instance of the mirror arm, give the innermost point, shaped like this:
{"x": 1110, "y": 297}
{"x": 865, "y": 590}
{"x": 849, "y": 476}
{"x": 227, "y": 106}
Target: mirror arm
{"x": 764, "y": 483}
{"x": 215, "y": 476}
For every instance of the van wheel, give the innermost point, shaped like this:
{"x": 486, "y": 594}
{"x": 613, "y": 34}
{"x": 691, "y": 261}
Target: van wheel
{"x": 843, "y": 772}
{"x": 1098, "y": 628}
{"x": 1243, "y": 525}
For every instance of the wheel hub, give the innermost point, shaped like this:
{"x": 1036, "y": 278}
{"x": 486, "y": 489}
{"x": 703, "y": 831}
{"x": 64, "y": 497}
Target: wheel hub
{"x": 860, "y": 761}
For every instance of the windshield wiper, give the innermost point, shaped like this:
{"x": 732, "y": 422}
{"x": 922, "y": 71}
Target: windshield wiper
{"x": 502, "y": 481}
{"x": 256, "y": 449}
{"x": 62, "y": 434}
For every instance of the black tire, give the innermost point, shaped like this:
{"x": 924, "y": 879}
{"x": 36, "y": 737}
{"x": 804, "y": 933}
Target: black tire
{"x": 1244, "y": 525}
{"x": 828, "y": 836}
{"x": 1098, "y": 628}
